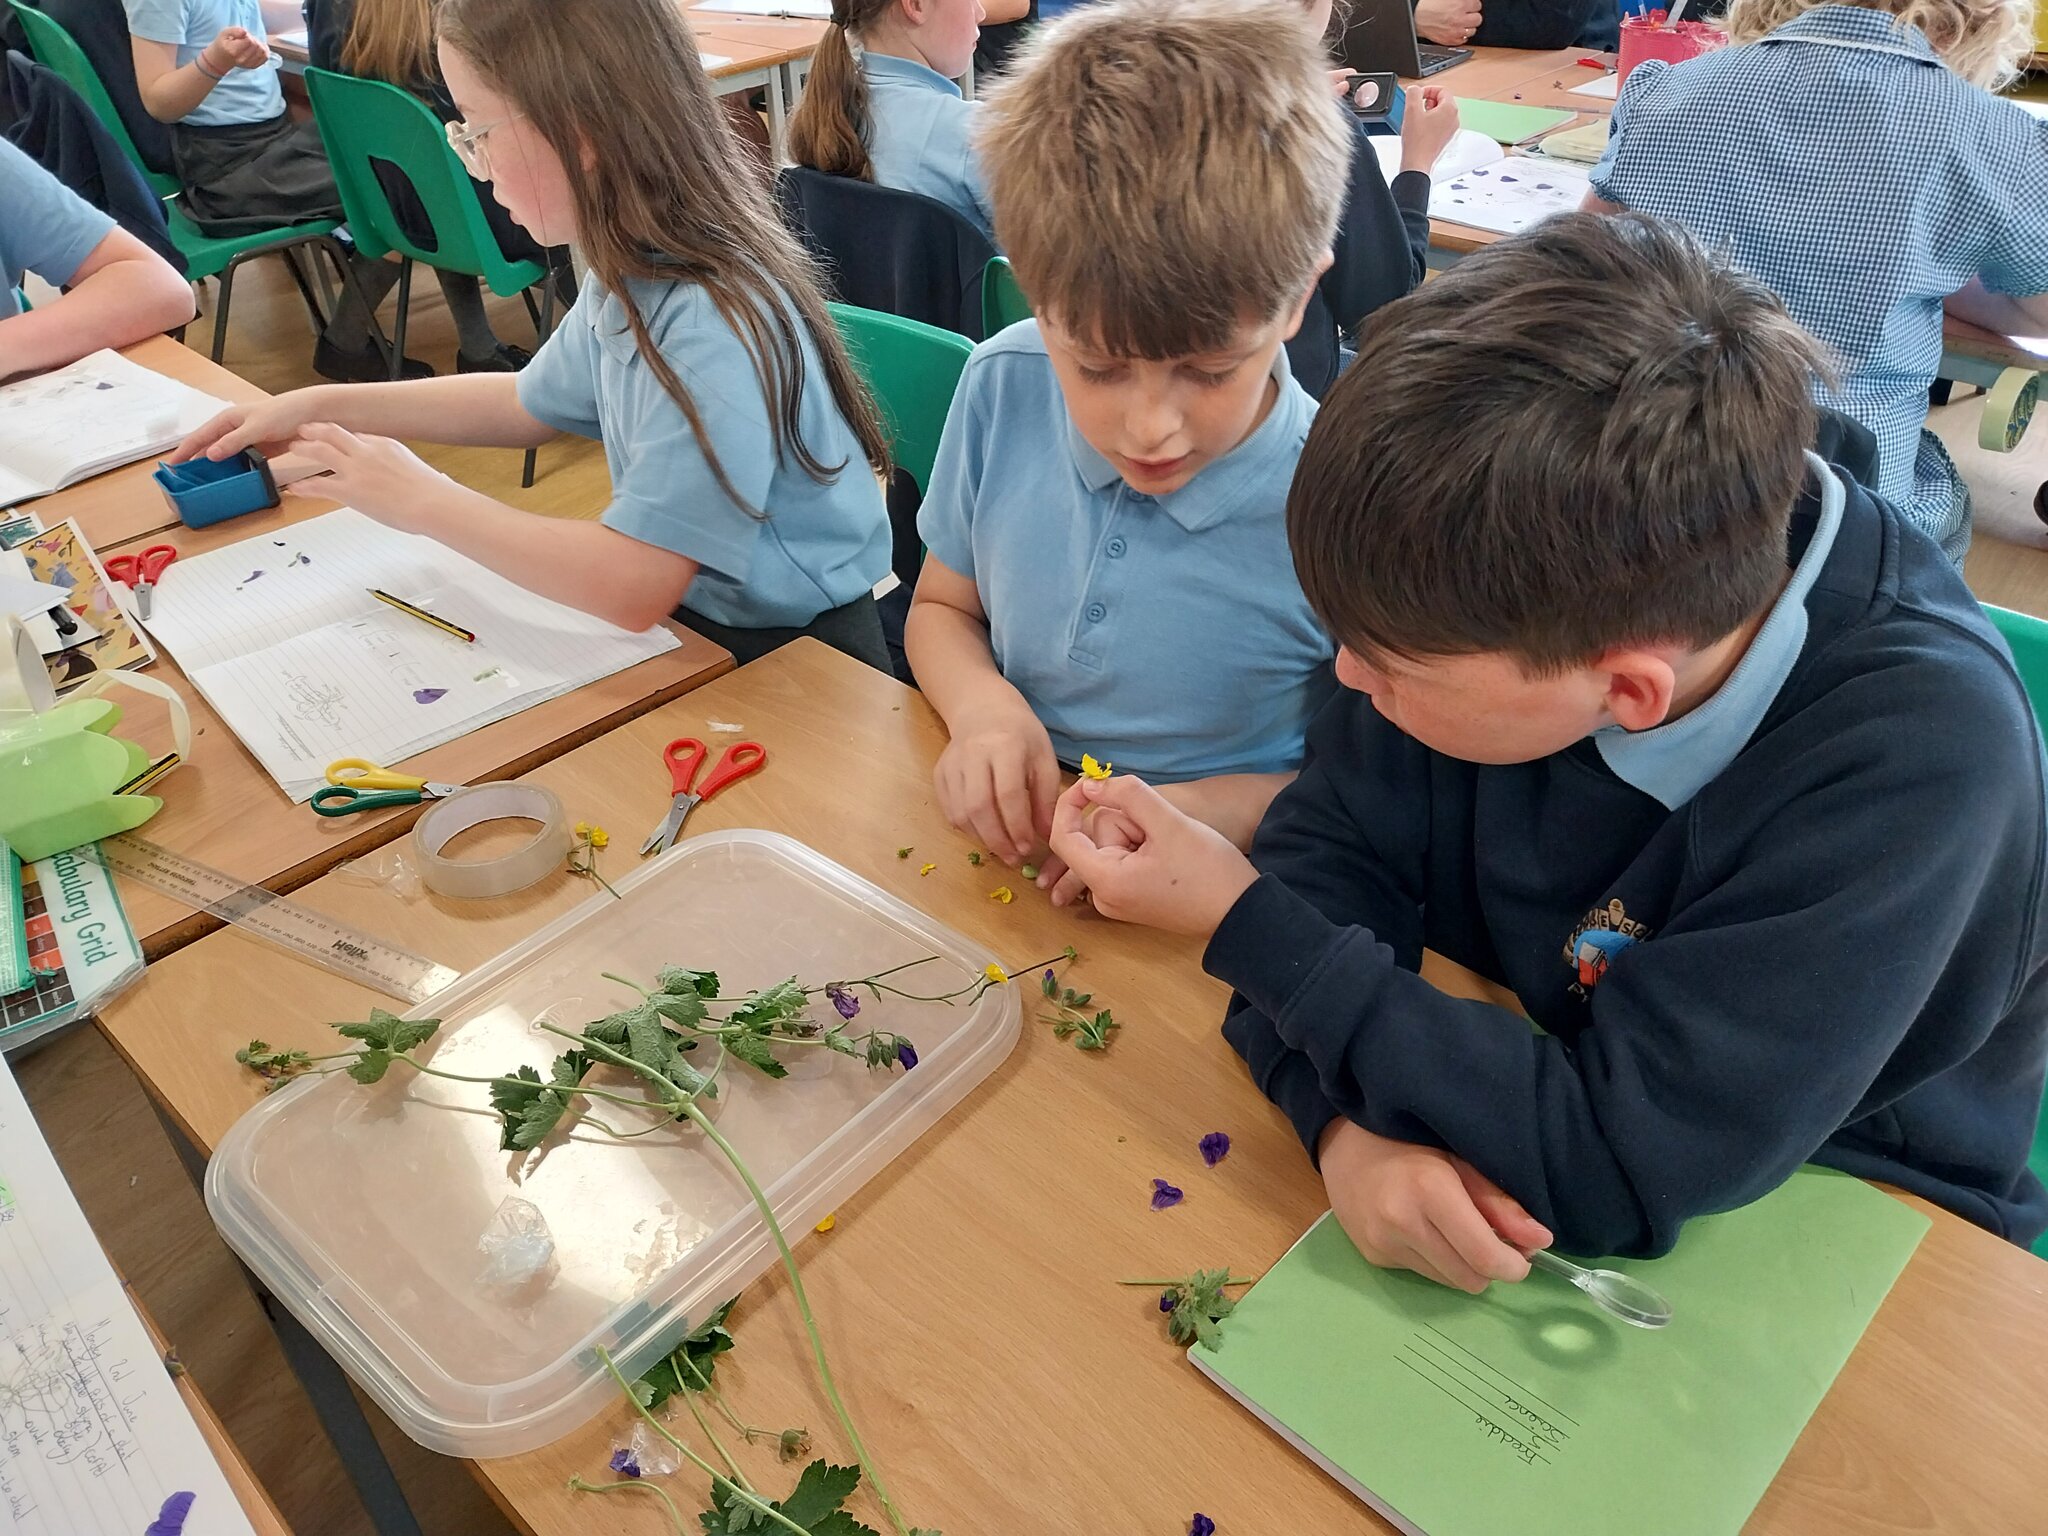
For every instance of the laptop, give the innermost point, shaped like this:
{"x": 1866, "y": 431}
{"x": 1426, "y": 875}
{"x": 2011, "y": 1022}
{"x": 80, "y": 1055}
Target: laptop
{"x": 1381, "y": 36}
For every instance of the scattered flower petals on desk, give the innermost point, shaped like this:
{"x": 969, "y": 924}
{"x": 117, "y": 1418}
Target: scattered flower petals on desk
{"x": 170, "y": 1520}
{"x": 1003, "y": 894}
{"x": 1201, "y": 1525}
{"x": 925, "y": 869}
{"x": 904, "y": 853}
{"x": 624, "y": 1461}
{"x": 428, "y": 695}
{"x": 1165, "y": 1196}
{"x": 1214, "y": 1148}
{"x": 831, "y": 1220}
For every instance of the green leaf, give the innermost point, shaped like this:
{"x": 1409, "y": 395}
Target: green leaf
{"x": 530, "y": 1112}
{"x": 772, "y": 1005}
{"x": 695, "y": 1356}
{"x": 611, "y": 1029}
{"x": 538, "y": 1118}
{"x": 814, "y": 1505}
{"x": 386, "y": 1031}
{"x": 904, "y": 853}
{"x": 649, "y": 1042}
{"x": 644, "y": 1393}
{"x": 756, "y": 1052}
{"x": 838, "y": 1040}
{"x": 974, "y": 858}
{"x": 678, "y": 981}
{"x": 277, "y": 1066}
{"x": 370, "y": 1066}
{"x": 685, "y": 1012}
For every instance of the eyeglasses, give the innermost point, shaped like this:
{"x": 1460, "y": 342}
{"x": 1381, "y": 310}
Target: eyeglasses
{"x": 469, "y": 147}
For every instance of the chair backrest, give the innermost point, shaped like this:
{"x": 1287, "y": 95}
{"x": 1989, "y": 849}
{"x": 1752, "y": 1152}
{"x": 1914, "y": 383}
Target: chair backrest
{"x": 365, "y": 123}
{"x": 912, "y": 371}
{"x": 57, "y": 49}
{"x": 887, "y": 250}
{"x": 1002, "y": 301}
{"x": 2027, "y": 637}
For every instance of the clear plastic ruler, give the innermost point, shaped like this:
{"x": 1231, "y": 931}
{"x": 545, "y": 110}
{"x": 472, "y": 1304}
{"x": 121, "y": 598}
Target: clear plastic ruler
{"x": 311, "y": 936}
{"x": 15, "y": 974}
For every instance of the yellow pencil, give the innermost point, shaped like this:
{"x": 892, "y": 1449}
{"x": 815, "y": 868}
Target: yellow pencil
{"x": 423, "y": 616}
{"x": 150, "y": 775}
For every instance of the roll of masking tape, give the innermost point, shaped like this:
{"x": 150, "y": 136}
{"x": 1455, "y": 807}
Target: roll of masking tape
{"x": 476, "y": 879}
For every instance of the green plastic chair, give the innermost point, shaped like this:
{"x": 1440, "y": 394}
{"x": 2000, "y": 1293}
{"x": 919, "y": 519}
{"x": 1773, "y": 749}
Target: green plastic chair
{"x": 2027, "y": 637}
{"x": 1002, "y": 301}
{"x": 204, "y": 255}
{"x": 363, "y": 122}
{"x": 912, "y": 370}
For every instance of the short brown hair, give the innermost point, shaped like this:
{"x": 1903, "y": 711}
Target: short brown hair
{"x": 1590, "y": 435}
{"x": 1161, "y": 170}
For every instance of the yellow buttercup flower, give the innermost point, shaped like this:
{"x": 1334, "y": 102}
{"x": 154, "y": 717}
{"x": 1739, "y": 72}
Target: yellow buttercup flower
{"x": 599, "y": 838}
{"x": 1091, "y": 769}
{"x": 925, "y": 869}
{"x": 996, "y": 975}
{"x": 583, "y": 829}
{"x": 828, "y": 1223}
{"x": 1003, "y": 894}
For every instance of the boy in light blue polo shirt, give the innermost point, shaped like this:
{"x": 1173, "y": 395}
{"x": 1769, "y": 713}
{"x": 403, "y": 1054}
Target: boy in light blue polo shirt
{"x": 1108, "y": 570}
{"x": 121, "y": 290}
{"x": 881, "y": 105}
{"x": 821, "y": 546}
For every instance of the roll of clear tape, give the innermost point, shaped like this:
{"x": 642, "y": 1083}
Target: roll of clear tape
{"x": 479, "y": 879}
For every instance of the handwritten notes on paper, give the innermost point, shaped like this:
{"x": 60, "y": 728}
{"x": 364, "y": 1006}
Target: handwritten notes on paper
{"x": 94, "y": 1438}
{"x": 1508, "y": 1413}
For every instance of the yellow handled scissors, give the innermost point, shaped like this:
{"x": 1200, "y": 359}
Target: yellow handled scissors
{"x": 356, "y": 784}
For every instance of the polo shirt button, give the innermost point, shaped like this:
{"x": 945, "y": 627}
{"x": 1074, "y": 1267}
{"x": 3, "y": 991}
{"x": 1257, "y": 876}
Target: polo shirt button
{"x": 1096, "y": 613}
{"x": 1116, "y": 549}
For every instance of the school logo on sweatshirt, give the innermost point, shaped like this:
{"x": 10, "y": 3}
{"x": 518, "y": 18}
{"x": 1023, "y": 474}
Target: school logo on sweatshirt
{"x": 1602, "y": 934}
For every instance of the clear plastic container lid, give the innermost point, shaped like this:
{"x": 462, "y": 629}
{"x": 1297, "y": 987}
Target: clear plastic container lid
{"x": 466, "y": 1288}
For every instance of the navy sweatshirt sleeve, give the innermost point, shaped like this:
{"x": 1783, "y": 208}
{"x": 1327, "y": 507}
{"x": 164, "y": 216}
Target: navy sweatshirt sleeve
{"x": 1548, "y": 24}
{"x": 1382, "y": 241}
{"x": 1721, "y": 1053}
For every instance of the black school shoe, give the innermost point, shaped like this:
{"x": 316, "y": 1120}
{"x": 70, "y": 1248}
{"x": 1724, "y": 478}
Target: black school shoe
{"x": 506, "y": 359}
{"x": 364, "y": 366}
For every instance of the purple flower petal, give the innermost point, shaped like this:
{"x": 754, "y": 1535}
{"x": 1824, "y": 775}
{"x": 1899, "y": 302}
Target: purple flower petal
{"x": 1164, "y": 1195}
{"x": 1214, "y": 1147}
{"x": 623, "y": 1460}
{"x": 170, "y": 1520}
{"x": 428, "y": 695}
{"x": 847, "y": 1004}
{"x": 1201, "y": 1525}
{"x": 906, "y": 1053}
{"x": 1168, "y": 1300}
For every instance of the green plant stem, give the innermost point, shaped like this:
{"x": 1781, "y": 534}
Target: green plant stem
{"x": 675, "y": 1516}
{"x": 747, "y": 1431}
{"x": 519, "y": 1082}
{"x": 745, "y": 1496}
{"x": 803, "y": 1307}
{"x": 718, "y": 1445}
{"x": 1183, "y": 1280}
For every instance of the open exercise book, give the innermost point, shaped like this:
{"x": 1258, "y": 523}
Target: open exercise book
{"x": 93, "y": 1435}
{"x": 98, "y": 414}
{"x": 1477, "y": 183}
{"x": 281, "y": 635}
{"x": 1528, "y": 1411}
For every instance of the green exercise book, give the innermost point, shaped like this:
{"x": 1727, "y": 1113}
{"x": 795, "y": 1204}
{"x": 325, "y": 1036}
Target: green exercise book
{"x": 1506, "y": 123}
{"x": 1529, "y": 1411}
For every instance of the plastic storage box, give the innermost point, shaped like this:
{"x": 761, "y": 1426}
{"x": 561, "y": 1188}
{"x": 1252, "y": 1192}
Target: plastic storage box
{"x": 366, "y": 1209}
{"x": 207, "y": 491}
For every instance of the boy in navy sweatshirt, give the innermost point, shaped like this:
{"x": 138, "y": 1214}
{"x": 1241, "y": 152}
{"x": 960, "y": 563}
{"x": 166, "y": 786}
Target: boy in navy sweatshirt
{"x": 1657, "y": 721}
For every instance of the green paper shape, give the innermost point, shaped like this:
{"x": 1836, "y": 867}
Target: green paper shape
{"x": 58, "y": 774}
{"x": 1528, "y": 1410}
{"x": 1506, "y": 123}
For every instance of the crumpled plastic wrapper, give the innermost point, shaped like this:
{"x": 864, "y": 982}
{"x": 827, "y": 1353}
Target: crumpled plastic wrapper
{"x": 518, "y": 1249}
{"x": 388, "y": 867}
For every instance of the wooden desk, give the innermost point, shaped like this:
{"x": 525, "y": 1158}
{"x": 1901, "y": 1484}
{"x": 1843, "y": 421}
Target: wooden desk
{"x": 255, "y": 1502}
{"x": 223, "y": 809}
{"x": 967, "y": 1295}
{"x": 125, "y": 504}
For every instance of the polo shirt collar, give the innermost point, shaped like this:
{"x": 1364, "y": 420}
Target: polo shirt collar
{"x": 1672, "y": 763}
{"x": 1219, "y": 488}
{"x": 909, "y": 71}
{"x": 1854, "y": 26}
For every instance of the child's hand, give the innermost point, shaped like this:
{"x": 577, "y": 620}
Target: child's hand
{"x": 997, "y": 779}
{"x": 1108, "y": 829}
{"x": 1429, "y": 120}
{"x": 1150, "y": 863}
{"x": 234, "y": 48}
{"x": 1449, "y": 22}
{"x": 1411, "y": 1207}
{"x": 380, "y": 478}
{"x": 266, "y": 425}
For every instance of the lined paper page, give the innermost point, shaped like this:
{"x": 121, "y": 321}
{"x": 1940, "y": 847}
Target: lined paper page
{"x": 93, "y": 1435}
{"x": 100, "y": 412}
{"x": 281, "y": 635}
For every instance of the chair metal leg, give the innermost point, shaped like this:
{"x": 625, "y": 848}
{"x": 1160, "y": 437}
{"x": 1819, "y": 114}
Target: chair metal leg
{"x": 543, "y": 327}
{"x": 220, "y": 314}
{"x": 294, "y": 257}
{"x": 398, "y": 325}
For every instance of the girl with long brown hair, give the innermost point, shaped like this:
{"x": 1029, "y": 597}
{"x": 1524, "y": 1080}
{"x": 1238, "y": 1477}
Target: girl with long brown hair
{"x": 741, "y": 443}
{"x": 880, "y": 104}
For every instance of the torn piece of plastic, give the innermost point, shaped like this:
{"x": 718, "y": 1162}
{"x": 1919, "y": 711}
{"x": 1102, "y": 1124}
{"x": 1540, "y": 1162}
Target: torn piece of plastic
{"x": 518, "y": 1249}
{"x": 724, "y": 728}
{"x": 656, "y": 1456}
{"x": 388, "y": 867}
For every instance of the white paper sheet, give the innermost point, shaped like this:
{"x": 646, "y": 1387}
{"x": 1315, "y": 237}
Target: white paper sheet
{"x": 99, "y": 413}
{"x": 93, "y": 1435}
{"x": 1605, "y": 88}
{"x": 281, "y": 635}
{"x": 1466, "y": 151}
{"x": 1511, "y": 196}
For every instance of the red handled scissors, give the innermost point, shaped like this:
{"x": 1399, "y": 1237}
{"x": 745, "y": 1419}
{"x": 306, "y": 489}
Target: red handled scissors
{"x": 684, "y": 756}
{"x": 141, "y": 573}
